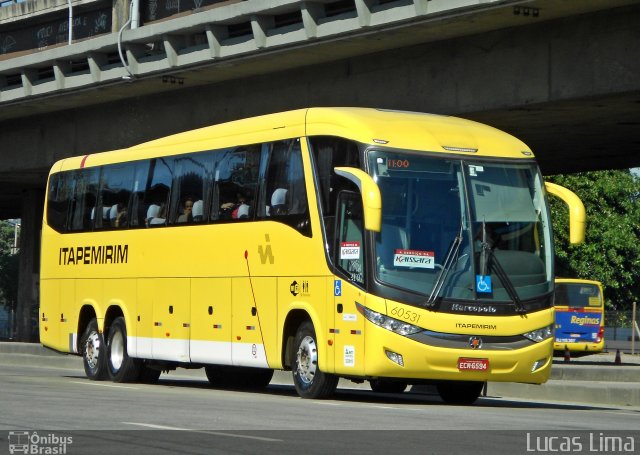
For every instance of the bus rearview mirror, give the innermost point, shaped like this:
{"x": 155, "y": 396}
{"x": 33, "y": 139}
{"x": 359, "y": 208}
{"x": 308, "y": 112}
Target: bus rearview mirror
{"x": 371, "y": 199}
{"x": 577, "y": 213}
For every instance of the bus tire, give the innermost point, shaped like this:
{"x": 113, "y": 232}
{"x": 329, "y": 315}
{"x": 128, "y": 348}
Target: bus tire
{"x": 308, "y": 379}
{"x": 148, "y": 375}
{"x": 459, "y": 392}
{"x": 257, "y": 378}
{"x": 120, "y": 367}
{"x": 218, "y": 376}
{"x": 387, "y": 386}
{"x": 93, "y": 351}
{"x": 230, "y": 377}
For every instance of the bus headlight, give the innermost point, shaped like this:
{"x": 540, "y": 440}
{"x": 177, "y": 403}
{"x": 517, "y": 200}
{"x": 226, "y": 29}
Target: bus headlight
{"x": 540, "y": 334}
{"x": 394, "y": 325}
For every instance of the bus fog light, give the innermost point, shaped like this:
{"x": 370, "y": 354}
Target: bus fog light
{"x": 395, "y": 357}
{"x": 538, "y": 364}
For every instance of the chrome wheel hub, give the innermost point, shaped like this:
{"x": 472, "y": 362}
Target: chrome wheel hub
{"x": 92, "y": 349}
{"x": 307, "y": 359}
{"x": 117, "y": 350}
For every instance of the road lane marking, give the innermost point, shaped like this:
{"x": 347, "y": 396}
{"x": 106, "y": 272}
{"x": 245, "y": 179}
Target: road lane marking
{"x": 157, "y": 427}
{"x": 115, "y": 386}
{"x": 214, "y": 433}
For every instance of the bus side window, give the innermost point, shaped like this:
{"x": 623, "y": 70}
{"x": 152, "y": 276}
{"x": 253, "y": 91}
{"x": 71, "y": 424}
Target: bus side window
{"x": 190, "y": 186}
{"x": 137, "y": 204}
{"x": 285, "y": 197}
{"x": 85, "y": 198}
{"x": 60, "y": 192}
{"x": 156, "y": 196}
{"x": 115, "y": 191}
{"x": 349, "y": 239}
{"x": 328, "y": 153}
{"x": 236, "y": 179}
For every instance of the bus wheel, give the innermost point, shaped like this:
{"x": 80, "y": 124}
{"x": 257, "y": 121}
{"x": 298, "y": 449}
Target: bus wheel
{"x": 218, "y": 376}
{"x": 230, "y": 377}
{"x": 120, "y": 366}
{"x": 93, "y": 352}
{"x": 257, "y": 378}
{"x": 148, "y": 375}
{"x": 387, "y": 386}
{"x": 459, "y": 392}
{"x": 308, "y": 380}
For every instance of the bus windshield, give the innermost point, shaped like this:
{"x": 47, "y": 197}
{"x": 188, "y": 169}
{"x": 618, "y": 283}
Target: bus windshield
{"x": 578, "y": 295}
{"x": 459, "y": 229}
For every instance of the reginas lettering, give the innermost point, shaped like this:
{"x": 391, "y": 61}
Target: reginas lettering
{"x": 88, "y": 255}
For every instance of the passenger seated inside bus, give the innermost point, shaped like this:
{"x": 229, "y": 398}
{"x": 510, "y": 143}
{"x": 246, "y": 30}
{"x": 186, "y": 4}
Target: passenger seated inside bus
{"x": 186, "y": 216}
{"x": 236, "y": 210}
{"x": 118, "y": 215}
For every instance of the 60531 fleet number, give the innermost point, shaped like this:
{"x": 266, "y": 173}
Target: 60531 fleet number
{"x": 407, "y": 315}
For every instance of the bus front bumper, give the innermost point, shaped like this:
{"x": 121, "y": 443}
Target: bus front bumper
{"x": 394, "y": 356}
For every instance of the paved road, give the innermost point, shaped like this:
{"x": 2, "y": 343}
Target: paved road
{"x": 182, "y": 414}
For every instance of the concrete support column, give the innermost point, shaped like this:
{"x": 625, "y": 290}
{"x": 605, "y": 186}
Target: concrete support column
{"x": 29, "y": 269}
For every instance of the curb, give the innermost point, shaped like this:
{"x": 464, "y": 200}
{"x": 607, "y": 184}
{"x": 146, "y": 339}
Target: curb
{"x": 602, "y": 393}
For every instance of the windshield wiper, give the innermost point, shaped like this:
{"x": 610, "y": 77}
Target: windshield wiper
{"x": 486, "y": 254}
{"x": 452, "y": 255}
{"x": 506, "y": 282}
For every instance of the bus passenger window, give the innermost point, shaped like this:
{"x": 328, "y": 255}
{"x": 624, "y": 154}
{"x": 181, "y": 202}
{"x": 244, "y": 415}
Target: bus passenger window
{"x": 60, "y": 192}
{"x": 115, "y": 191}
{"x": 190, "y": 184}
{"x": 328, "y": 153}
{"x": 156, "y": 197}
{"x": 138, "y": 208}
{"x": 285, "y": 197}
{"x": 236, "y": 179}
{"x": 84, "y": 201}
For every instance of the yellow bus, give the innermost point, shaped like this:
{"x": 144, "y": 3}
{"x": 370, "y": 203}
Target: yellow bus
{"x": 579, "y": 315}
{"x": 394, "y": 247}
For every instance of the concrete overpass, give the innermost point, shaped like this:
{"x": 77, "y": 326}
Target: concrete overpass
{"x": 561, "y": 75}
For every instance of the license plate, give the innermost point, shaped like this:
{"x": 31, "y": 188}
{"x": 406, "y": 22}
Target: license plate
{"x": 467, "y": 364}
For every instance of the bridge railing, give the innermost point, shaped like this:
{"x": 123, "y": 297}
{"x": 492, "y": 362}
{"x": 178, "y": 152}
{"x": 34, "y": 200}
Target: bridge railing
{"x": 230, "y": 32}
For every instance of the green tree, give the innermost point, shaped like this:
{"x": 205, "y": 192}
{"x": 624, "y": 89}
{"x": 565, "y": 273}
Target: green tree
{"x": 6, "y": 237}
{"x": 8, "y": 266}
{"x": 611, "y": 250}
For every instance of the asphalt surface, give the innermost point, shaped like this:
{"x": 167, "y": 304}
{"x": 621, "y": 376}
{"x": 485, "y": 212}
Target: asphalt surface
{"x": 184, "y": 414}
{"x": 585, "y": 379}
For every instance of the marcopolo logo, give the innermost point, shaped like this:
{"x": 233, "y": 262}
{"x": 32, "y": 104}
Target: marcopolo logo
{"x": 34, "y": 443}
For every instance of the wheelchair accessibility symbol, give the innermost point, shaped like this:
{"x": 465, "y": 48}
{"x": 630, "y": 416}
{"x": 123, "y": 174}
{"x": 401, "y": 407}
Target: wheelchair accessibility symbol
{"x": 337, "y": 288}
{"x": 483, "y": 284}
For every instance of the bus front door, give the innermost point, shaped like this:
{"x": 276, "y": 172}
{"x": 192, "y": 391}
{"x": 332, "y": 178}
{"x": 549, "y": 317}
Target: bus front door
{"x": 348, "y": 328}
